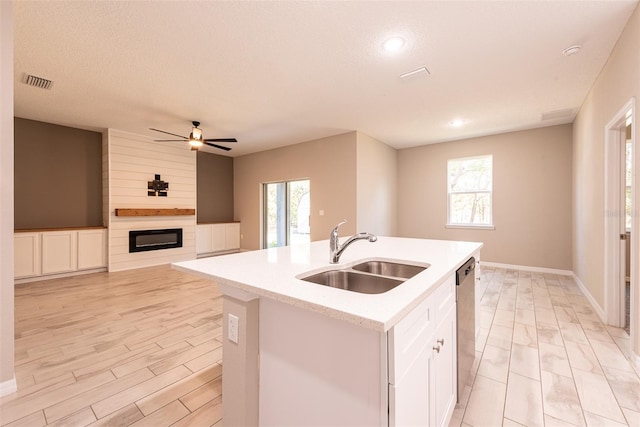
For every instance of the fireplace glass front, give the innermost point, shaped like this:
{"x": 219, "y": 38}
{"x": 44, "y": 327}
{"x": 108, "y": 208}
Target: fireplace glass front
{"x": 152, "y": 240}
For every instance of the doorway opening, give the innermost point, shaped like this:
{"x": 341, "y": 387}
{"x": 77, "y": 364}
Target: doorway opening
{"x": 628, "y": 209}
{"x": 286, "y": 209}
{"x": 621, "y": 223}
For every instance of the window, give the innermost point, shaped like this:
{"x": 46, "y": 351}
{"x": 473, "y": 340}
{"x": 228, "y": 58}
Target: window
{"x": 469, "y": 191}
{"x": 286, "y": 213}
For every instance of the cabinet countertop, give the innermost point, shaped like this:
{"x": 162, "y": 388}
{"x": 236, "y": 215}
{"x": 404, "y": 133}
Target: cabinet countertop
{"x": 272, "y": 273}
{"x": 217, "y": 222}
{"x": 38, "y": 230}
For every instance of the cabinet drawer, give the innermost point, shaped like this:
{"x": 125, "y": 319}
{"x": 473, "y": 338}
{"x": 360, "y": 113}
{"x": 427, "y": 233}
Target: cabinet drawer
{"x": 408, "y": 337}
{"x": 445, "y": 297}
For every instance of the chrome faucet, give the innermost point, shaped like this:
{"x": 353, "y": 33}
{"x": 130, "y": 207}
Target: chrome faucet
{"x": 336, "y": 249}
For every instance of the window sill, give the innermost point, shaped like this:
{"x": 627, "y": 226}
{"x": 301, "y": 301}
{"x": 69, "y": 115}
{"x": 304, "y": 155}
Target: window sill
{"x": 471, "y": 227}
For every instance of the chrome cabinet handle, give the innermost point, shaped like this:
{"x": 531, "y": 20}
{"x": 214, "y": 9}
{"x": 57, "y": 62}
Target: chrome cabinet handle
{"x": 440, "y": 341}
{"x": 437, "y": 349}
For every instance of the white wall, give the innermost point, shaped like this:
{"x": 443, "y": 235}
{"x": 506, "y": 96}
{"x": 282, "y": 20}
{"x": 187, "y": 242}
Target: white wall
{"x": 134, "y": 160}
{"x": 329, "y": 163}
{"x": 531, "y": 195}
{"x": 618, "y": 82}
{"x": 7, "y": 382}
{"x": 377, "y": 176}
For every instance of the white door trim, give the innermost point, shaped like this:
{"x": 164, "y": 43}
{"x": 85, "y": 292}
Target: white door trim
{"x": 614, "y": 218}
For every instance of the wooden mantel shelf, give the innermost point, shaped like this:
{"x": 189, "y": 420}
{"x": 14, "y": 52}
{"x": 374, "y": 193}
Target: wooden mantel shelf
{"x": 154, "y": 212}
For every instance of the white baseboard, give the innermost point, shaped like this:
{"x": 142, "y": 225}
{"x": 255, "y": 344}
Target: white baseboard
{"x": 8, "y": 387}
{"x": 587, "y": 294}
{"x": 58, "y": 276}
{"x": 527, "y": 268}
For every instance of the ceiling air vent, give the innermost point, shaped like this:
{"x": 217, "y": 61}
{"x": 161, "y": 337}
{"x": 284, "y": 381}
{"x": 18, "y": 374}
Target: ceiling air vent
{"x": 36, "y": 81}
{"x": 557, "y": 114}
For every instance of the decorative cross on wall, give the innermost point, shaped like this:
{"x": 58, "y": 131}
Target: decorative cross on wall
{"x": 157, "y": 187}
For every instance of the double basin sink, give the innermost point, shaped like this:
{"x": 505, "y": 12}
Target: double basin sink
{"x": 368, "y": 277}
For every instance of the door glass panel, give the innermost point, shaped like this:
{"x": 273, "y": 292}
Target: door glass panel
{"x": 299, "y": 211}
{"x": 287, "y": 206}
{"x": 275, "y": 218}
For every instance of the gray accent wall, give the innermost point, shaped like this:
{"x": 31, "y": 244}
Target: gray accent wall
{"x": 215, "y": 187}
{"x": 58, "y": 176}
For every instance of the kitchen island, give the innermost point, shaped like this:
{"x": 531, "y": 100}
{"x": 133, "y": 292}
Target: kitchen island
{"x": 299, "y": 353}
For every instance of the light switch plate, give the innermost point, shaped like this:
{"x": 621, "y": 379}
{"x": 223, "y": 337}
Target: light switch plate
{"x": 232, "y": 330}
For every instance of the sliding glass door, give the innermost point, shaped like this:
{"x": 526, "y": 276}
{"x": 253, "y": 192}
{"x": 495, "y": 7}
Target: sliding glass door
{"x": 286, "y": 209}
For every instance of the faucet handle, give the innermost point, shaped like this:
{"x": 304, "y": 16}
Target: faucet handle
{"x": 334, "y": 232}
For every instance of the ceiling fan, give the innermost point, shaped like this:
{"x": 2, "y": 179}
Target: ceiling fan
{"x": 195, "y": 138}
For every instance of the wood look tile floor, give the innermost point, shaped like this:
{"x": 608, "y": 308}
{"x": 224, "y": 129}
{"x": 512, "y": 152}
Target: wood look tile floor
{"x": 140, "y": 347}
{"x": 544, "y": 358}
{"x": 144, "y": 347}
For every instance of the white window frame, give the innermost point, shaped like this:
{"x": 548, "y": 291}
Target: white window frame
{"x": 449, "y": 224}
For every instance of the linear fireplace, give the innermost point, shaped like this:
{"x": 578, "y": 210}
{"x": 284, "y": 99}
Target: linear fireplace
{"x": 152, "y": 240}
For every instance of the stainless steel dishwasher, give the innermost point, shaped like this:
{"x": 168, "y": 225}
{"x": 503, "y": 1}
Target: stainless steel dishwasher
{"x": 465, "y": 305}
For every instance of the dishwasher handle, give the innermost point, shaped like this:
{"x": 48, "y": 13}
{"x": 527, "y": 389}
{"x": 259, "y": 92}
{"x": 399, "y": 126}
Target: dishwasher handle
{"x": 466, "y": 270}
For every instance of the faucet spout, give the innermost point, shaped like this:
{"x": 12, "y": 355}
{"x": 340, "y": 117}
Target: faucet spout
{"x": 336, "y": 249}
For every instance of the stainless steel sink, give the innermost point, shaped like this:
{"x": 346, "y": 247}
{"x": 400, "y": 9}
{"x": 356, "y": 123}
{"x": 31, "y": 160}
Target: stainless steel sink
{"x": 354, "y": 281}
{"x": 387, "y": 268}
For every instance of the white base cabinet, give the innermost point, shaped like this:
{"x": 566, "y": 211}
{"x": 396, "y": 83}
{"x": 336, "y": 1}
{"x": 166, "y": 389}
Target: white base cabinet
{"x": 57, "y": 252}
{"x": 26, "y": 254}
{"x": 308, "y": 363}
{"x": 422, "y": 362}
{"x": 92, "y": 249}
{"x": 212, "y": 238}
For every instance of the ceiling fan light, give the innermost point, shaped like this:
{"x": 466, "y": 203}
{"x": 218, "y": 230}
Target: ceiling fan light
{"x": 196, "y": 133}
{"x": 195, "y": 142}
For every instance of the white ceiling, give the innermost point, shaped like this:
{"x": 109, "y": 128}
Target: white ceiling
{"x": 274, "y": 73}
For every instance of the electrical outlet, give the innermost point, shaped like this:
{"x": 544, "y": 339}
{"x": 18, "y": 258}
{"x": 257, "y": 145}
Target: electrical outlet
{"x": 232, "y": 330}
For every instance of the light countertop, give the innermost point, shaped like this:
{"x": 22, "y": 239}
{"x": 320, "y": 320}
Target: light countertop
{"x": 271, "y": 273}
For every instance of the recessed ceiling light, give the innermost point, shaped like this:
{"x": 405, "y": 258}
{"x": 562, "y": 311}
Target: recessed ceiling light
{"x": 456, "y": 123}
{"x": 572, "y": 50}
{"x": 394, "y": 44}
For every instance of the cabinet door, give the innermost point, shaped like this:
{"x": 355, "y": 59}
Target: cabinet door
{"x": 232, "y": 236}
{"x": 92, "y": 249}
{"x": 203, "y": 239}
{"x": 59, "y": 251}
{"x": 411, "y": 398}
{"x": 445, "y": 368}
{"x": 218, "y": 238}
{"x": 26, "y": 248}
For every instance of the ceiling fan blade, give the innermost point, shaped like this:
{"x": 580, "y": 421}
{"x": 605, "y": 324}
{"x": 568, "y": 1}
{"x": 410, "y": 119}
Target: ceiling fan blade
{"x": 220, "y": 140}
{"x": 169, "y": 133}
{"x": 217, "y": 146}
{"x": 168, "y": 140}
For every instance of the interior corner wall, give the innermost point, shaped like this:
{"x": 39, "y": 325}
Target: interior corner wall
{"x": 215, "y": 187}
{"x": 7, "y": 380}
{"x": 531, "y": 195}
{"x": 618, "y": 82}
{"x": 329, "y": 163}
{"x": 377, "y": 173}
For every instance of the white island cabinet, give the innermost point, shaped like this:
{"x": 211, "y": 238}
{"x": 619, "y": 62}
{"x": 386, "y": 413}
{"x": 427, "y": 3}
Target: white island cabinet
{"x": 299, "y": 353}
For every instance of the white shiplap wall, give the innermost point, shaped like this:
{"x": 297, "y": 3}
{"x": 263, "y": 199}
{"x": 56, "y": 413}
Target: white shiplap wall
{"x": 132, "y": 161}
